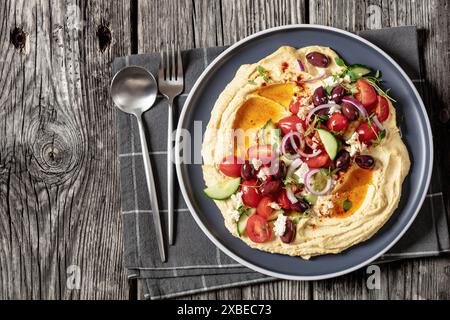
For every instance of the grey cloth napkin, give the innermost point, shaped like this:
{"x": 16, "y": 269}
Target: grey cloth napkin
{"x": 194, "y": 263}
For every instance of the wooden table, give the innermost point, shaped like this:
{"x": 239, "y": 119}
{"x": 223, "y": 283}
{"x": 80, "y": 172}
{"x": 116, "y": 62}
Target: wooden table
{"x": 59, "y": 186}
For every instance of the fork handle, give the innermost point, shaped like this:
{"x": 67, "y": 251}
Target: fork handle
{"x": 170, "y": 172}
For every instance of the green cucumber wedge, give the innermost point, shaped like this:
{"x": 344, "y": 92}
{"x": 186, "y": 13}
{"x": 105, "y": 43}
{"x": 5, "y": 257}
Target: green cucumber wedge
{"x": 329, "y": 142}
{"x": 359, "y": 70}
{"x": 224, "y": 190}
{"x": 242, "y": 222}
{"x": 271, "y": 134}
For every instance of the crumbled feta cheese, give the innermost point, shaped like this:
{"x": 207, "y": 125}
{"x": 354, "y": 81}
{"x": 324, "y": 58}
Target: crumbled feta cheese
{"x": 262, "y": 174}
{"x": 355, "y": 145}
{"x": 314, "y": 146}
{"x": 301, "y": 172}
{"x": 302, "y": 113}
{"x": 279, "y": 227}
{"x": 274, "y": 205}
{"x": 330, "y": 81}
{"x": 236, "y": 200}
{"x": 347, "y": 79}
{"x": 256, "y": 163}
{"x": 233, "y": 214}
{"x": 324, "y": 206}
{"x": 333, "y": 109}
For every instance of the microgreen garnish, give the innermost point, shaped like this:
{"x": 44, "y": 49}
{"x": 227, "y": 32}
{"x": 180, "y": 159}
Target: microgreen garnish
{"x": 303, "y": 215}
{"x": 347, "y": 205}
{"x": 263, "y": 73}
{"x": 328, "y": 173}
{"x": 380, "y": 136}
{"x": 253, "y": 83}
{"x": 374, "y": 81}
{"x": 328, "y": 90}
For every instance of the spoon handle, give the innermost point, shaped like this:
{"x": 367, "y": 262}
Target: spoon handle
{"x": 170, "y": 172}
{"x": 152, "y": 189}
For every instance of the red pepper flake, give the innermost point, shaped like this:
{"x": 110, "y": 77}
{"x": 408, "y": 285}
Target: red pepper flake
{"x": 284, "y": 66}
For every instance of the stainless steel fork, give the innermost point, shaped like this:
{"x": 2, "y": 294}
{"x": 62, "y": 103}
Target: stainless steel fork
{"x": 171, "y": 84}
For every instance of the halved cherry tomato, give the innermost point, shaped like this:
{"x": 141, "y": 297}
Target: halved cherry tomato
{"x": 263, "y": 152}
{"x": 283, "y": 200}
{"x": 289, "y": 124}
{"x": 366, "y": 95}
{"x": 382, "y": 109}
{"x": 337, "y": 122}
{"x": 250, "y": 193}
{"x": 294, "y": 106}
{"x": 263, "y": 209}
{"x": 367, "y": 133}
{"x": 318, "y": 161}
{"x": 231, "y": 166}
{"x": 258, "y": 229}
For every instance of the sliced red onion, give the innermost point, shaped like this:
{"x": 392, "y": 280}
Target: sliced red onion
{"x": 357, "y": 104}
{"x": 293, "y": 166}
{"x": 290, "y": 195}
{"x": 378, "y": 123}
{"x": 322, "y": 106}
{"x": 300, "y": 63}
{"x": 308, "y": 183}
{"x": 310, "y": 155}
{"x": 290, "y": 136}
{"x": 318, "y": 77}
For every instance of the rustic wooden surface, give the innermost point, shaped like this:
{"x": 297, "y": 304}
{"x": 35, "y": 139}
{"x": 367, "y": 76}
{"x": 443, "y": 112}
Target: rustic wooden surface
{"x": 59, "y": 190}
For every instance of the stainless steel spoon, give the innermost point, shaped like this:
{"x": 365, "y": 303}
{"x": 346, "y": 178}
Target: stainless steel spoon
{"x": 134, "y": 90}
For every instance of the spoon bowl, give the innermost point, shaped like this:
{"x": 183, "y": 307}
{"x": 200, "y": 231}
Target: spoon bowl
{"x": 134, "y": 90}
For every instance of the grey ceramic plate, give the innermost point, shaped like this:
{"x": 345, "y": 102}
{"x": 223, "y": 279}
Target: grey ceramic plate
{"x": 415, "y": 128}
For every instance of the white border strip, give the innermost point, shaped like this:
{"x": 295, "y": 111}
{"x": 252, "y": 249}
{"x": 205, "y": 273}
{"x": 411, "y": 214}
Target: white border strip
{"x": 186, "y": 195}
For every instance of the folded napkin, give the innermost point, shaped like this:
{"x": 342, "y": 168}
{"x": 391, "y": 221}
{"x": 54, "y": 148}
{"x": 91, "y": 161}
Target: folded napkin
{"x": 194, "y": 263}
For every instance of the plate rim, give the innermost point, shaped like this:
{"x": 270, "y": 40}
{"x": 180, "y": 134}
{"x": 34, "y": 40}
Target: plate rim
{"x": 195, "y": 214}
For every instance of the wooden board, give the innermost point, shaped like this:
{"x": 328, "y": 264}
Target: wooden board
{"x": 59, "y": 204}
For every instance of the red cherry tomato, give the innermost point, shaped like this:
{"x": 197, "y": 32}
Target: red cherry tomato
{"x": 263, "y": 209}
{"x": 250, "y": 193}
{"x": 366, "y": 95}
{"x": 289, "y": 124}
{"x": 318, "y": 161}
{"x": 258, "y": 229}
{"x": 367, "y": 133}
{"x": 382, "y": 109}
{"x": 283, "y": 200}
{"x": 294, "y": 106}
{"x": 337, "y": 122}
{"x": 231, "y": 166}
{"x": 262, "y": 152}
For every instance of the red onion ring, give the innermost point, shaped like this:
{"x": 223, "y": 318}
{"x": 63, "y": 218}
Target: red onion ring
{"x": 322, "y": 106}
{"x": 378, "y": 123}
{"x": 300, "y": 63}
{"x": 357, "y": 104}
{"x": 318, "y": 77}
{"x": 308, "y": 185}
{"x": 290, "y": 194}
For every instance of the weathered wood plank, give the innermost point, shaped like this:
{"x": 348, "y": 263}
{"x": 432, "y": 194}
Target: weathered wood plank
{"x": 205, "y": 23}
{"x": 59, "y": 205}
{"x": 414, "y": 279}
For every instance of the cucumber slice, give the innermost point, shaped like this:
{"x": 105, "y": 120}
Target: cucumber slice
{"x": 242, "y": 222}
{"x": 359, "y": 70}
{"x": 329, "y": 142}
{"x": 310, "y": 198}
{"x": 271, "y": 134}
{"x": 224, "y": 190}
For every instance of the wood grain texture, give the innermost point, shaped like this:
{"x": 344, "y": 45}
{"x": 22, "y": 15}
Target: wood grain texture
{"x": 59, "y": 204}
{"x": 411, "y": 279}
